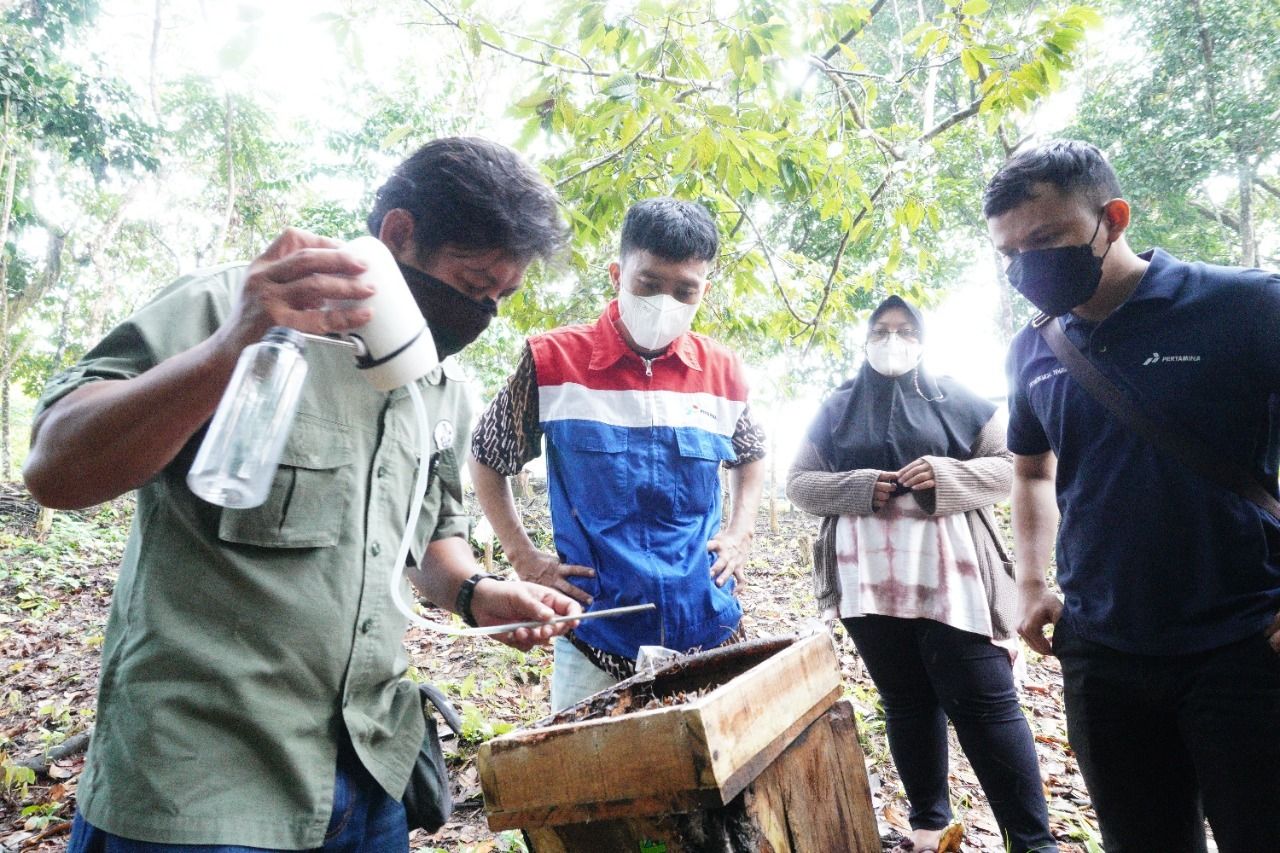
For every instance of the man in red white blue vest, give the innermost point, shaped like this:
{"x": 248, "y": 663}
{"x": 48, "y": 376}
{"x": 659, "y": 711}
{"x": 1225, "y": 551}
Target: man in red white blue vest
{"x": 639, "y": 414}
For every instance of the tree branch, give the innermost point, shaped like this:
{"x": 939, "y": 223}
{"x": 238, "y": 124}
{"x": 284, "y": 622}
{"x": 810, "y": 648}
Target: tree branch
{"x": 826, "y": 290}
{"x": 71, "y": 746}
{"x": 611, "y": 156}
{"x": 696, "y": 85}
{"x": 853, "y": 32}
{"x": 952, "y": 120}
{"x": 1266, "y": 185}
{"x": 768, "y": 256}
{"x": 847, "y": 96}
{"x": 835, "y": 266}
{"x": 1221, "y": 217}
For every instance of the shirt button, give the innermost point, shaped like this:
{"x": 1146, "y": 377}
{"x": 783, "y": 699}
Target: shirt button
{"x": 366, "y": 625}
{"x": 375, "y": 549}
{"x": 382, "y": 471}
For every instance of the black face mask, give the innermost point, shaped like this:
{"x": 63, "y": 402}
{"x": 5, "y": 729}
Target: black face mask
{"x": 1057, "y": 280}
{"x": 455, "y": 319}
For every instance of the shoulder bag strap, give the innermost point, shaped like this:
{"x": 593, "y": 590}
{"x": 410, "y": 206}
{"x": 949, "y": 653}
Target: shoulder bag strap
{"x": 1188, "y": 450}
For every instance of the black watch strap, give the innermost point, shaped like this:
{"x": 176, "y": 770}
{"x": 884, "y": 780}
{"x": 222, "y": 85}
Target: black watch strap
{"x": 462, "y": 604}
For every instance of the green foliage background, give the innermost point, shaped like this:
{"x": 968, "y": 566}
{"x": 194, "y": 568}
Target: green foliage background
{"x": 842, "y": 145}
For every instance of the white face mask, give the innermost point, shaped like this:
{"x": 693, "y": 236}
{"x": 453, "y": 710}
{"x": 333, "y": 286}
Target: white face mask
{"x": 654, "y": 321}
{"x": 894, "y": 356}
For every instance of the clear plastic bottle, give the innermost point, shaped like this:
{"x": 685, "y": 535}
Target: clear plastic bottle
{"x": 238, "y": 458}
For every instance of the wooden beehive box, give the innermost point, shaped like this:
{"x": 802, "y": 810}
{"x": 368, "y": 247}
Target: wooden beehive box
{"x": 730, "y": 712}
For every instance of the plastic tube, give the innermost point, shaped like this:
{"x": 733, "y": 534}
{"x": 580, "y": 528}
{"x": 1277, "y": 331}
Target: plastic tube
{"x": 415, "y": 509}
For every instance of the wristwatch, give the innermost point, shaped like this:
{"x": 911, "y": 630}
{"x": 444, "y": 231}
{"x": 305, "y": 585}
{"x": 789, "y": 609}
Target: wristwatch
{"x": 462, "y": 604}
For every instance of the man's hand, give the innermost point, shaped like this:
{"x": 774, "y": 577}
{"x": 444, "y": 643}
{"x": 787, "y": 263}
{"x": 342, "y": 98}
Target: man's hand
{"x": 917, "y": 476}
{"x": 300, "y": 281}
{"x": 731, "y": 550}
{"x": 539, "y": 567}
{"x": 1037, "y": 607}
{"x": 1273, "y": 634}
{"x": 884, "y": 488}
{"x": 497, "y": 602}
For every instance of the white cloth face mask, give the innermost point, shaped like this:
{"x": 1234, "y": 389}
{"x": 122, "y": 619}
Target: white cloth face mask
{"x": 654, "y": 321}
{"x": 894, "y": 356}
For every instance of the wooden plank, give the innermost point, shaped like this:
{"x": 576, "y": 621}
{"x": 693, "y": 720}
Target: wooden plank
{"x": 748, "y": 718}
{"x": 638, "y": 757}
{"x": 753, "y": 767}
{"x": 817, "y": 796}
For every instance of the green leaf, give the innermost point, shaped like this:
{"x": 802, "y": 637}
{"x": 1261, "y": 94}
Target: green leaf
{"x": 620, "y": 87}
{"x": 737, "y": 61}
{"x": 396, "y": 136}
{"x": 973, "y": 8}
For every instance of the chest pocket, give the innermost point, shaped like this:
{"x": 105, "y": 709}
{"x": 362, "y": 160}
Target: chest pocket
{"x": 697, "y": 476}
{"x": 597, "y": 471}
{"x": 309, "y": 497}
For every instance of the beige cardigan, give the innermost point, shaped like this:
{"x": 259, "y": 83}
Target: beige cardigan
{"x": 971, "y": 486}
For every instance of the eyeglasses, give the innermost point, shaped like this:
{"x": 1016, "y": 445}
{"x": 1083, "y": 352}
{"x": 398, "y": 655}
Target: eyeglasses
{"x": 906, "y": 333}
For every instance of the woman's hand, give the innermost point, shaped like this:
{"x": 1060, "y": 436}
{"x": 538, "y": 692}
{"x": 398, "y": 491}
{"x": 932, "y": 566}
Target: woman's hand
{"x": 884, "y": 488}
{"x": 917, "y": 476}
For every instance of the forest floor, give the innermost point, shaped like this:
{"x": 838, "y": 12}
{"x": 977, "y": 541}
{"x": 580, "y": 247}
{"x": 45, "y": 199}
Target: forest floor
{"x": 55, "y": 592}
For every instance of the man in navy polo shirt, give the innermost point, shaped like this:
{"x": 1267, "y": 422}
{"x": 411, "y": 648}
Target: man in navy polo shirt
{"x": 1167, "y": 629}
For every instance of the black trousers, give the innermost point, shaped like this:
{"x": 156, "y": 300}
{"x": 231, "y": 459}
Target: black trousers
{"x": 927, "y": 672}
{"x": 1164, "y": 741}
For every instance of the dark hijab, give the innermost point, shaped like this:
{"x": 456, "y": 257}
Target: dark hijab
{"x": 884, "y": 422}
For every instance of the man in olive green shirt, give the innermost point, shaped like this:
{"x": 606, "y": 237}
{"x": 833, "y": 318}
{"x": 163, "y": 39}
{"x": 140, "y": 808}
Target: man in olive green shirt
{"x": 251, "y": 691}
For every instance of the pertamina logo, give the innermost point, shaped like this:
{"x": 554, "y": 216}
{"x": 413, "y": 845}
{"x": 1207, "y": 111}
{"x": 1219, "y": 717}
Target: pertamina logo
{"x": 1157, "y": 358}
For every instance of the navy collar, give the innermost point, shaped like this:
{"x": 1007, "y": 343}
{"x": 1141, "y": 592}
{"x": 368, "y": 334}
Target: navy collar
{"x": 1160, "y": 283}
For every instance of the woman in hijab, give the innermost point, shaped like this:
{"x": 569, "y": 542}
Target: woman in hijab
{"x": 904, "y": 468}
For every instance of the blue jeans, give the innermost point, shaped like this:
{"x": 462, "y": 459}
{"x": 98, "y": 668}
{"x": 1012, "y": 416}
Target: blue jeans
{"x": 927, "y": 673}
{"x": 365, "y": 820}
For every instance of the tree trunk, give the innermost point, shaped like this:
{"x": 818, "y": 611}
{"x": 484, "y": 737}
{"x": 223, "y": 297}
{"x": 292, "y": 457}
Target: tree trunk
{"x": 10, "y": 180}
{"x": 64, "y": 330}
{"x": 1248, "y": 245}
{"x": 931, "y": 81}
{"x": 520, "y": 484}
{"x": 228, "y": 124}
{"x": 6, "y": 458}
{"x": 774, "y": 527}
{"x": 1005, "y": 319}
{"x": 155, "y": 52}
{"x": 106, "y": 296}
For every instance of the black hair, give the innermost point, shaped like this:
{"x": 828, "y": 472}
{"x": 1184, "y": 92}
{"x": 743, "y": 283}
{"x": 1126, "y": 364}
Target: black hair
{"x": 476, "y": 195}
{"x": 1075, "y": 168}
{"x": 898, "y": 302}
{"x": 671, "y": 229}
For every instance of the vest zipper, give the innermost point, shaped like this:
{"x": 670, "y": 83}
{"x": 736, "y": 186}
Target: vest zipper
{"x": 648, "y": 367}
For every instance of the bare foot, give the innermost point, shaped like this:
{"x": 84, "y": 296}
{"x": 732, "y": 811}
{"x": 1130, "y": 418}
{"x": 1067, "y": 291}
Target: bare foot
{"x": 925, "y": 840}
